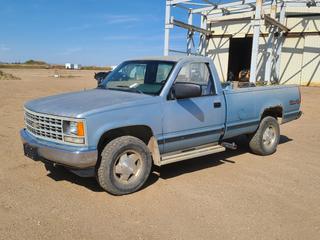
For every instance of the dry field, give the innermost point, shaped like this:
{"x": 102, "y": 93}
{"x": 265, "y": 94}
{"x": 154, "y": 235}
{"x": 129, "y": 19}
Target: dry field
{"x": 231, "y": 195}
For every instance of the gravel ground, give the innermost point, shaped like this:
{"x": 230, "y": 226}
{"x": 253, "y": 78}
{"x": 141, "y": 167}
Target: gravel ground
{"x": 230, "y": 195}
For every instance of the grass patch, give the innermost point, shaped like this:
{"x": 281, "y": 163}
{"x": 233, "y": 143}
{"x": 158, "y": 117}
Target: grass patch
{"x": 96, "y": 68}
{"x": 25, "y": 66}
{"x": 38, "y": 64}
{"x": 49, "y": 66}
{"x": 8, "y": 76}
{"x": 35, "y": 62}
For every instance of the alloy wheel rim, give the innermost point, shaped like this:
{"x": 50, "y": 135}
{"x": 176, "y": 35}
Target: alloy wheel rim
{"x": 269, "y": 136}
{"x": 127, "y": 167}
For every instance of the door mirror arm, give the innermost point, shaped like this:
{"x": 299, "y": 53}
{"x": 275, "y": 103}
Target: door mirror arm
{"x": 171, "y": 95}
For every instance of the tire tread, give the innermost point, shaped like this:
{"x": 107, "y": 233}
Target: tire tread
{"x": 105, "y": 164}
{"x": 255, "y": 143}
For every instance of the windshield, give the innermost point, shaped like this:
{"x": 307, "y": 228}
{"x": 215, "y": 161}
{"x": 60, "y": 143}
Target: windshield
{"x": 146, "y": 77}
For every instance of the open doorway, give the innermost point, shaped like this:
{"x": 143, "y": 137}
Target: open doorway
{"x": 239, "y": 58}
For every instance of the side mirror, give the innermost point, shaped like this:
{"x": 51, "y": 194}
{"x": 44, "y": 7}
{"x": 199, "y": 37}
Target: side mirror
{"x": 186, "y": 90}
{"x": 98, "y": 81}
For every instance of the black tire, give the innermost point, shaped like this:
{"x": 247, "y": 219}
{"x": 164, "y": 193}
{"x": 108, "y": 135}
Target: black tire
{"x": 50, "y": 167}
{"x": 120, "y": 155}
{"x": 259, "y": 144}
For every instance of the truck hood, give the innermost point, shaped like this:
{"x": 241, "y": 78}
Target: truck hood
{"x": 83, "y": 103}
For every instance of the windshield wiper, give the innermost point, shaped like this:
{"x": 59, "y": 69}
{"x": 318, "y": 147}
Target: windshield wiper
{"x": 128, "y": 88}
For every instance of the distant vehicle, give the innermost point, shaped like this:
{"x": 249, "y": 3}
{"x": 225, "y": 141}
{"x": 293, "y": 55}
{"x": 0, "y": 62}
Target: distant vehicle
{"x": 153, "y": 111}
{"x": 72, "y": 66}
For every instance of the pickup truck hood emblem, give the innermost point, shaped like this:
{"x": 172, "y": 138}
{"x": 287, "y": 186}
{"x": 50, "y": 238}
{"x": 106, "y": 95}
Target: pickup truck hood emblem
{"x": 80, "y": 104}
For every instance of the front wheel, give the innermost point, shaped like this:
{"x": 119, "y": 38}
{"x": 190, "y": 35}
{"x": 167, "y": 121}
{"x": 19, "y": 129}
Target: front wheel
{"x": 265, "y": 140}
{"x": 125, "y": 165}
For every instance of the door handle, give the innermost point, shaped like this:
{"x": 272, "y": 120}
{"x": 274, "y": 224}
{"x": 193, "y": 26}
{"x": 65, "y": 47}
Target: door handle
{"x": 217, "y": 104}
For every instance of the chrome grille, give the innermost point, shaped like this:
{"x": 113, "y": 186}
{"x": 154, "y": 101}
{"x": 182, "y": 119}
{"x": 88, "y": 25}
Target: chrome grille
{"x": 44, "y": 126}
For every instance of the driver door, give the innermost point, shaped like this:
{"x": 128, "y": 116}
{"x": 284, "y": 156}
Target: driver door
{"x": 193, "y": 121}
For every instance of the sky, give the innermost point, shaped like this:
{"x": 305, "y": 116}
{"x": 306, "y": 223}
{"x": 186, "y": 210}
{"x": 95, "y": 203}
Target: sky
{"x": 88, "y": 32}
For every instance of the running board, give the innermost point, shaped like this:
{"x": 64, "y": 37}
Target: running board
{"x": 192, "y": 153}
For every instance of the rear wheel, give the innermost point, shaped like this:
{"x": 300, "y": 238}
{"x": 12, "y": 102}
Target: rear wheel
{"x": 266, "y": 138}
{"x": 125, "y": 165}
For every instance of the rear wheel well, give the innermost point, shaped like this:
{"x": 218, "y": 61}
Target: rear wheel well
{"x": 275, "y": 112}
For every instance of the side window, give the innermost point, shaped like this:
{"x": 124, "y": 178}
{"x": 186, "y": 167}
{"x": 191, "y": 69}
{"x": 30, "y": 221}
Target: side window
{"x": 197, "y": 73}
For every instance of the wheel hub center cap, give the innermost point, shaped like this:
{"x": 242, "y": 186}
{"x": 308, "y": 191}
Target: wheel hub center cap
{"x": 127, "y": 166}
{"x": 269, "y": 136}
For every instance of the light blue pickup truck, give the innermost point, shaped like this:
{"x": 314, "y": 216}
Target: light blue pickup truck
{"x": 153, "y": 111}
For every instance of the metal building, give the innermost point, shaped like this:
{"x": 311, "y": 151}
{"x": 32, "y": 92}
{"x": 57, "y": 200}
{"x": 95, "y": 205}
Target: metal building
{"x": 274, "y": 41}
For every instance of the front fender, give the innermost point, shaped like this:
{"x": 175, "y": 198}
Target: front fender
{"x": 150, "y": 116}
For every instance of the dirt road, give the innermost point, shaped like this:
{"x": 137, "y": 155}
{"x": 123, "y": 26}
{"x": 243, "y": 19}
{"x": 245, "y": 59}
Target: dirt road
{"x": 231, "y": 195}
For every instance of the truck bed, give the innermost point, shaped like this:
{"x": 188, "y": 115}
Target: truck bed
{"x": 245, "y": 106}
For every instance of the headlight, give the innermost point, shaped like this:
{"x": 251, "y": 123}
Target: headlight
{"x": 74, "y": 131}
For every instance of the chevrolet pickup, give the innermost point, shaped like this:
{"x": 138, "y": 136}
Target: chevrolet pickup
{"x": 153, "y": 111}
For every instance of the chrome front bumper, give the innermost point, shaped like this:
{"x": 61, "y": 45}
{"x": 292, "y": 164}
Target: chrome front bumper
{"x": 67, "y": 156}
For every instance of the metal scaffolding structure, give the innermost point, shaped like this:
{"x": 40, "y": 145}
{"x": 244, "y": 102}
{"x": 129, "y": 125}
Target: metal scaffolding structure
{"x": 209, "y": 8}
